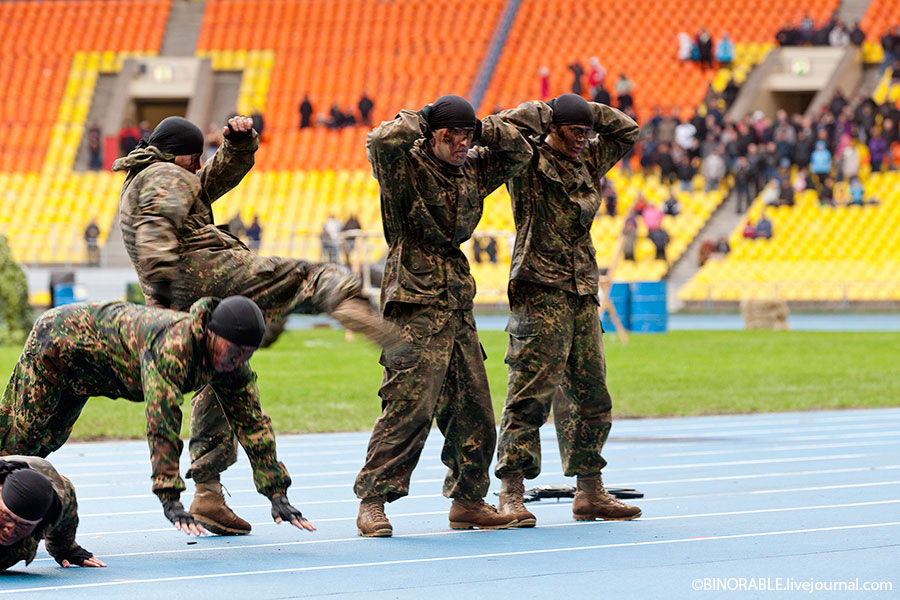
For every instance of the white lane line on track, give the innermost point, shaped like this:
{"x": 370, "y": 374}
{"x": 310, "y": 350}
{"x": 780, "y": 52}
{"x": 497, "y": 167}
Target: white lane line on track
{"x": 552, "y": 474}
{"x": 284, "y": 447}
{"x": 732, "y": 421}
{"x": 463, "y": 532}
{"x": 754, "y": 450}
{"x": 612, "y": 448}
{"x": 299, "y": 490}
{"x": 439, "y": 559}
{"x": 640, "y": 501}
{"x": 610, "y": 470}
{"x": 611, "y": 451}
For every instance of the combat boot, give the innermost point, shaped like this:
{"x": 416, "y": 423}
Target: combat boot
{"x": 469, "y": 514}
{"x": 372, "y": 522}
{"x": 209, "y": 509}
{"x": 592, "y": 501}
{"x": 512, "y": 501}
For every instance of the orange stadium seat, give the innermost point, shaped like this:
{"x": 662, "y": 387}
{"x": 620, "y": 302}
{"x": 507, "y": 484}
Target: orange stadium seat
{"x": 336, "y": 49}
{"x": 553, "y": 33}
{"x": 879, "y": 16}
{"x": 37, "y": 43}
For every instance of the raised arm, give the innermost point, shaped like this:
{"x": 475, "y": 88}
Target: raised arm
{"x": 616, "y": 134}
{"x": 387, "y": 147}
{"x": 504, "y": 152}
{"x": 233, "y": 160}
{"x": 531, "y": 118}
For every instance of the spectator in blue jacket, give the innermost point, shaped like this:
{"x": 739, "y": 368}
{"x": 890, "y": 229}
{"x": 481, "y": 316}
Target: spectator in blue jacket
{"x": 820, "y": 162}
{"x": 725, "y": 51}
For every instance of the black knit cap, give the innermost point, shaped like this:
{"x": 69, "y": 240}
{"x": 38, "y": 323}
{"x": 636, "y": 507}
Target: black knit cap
{"x": 572, "y": 109}
{"x": 178, "y": 136}
{"x": 451, "y": 111}
{"x": 27, "y": 494}
{"x": 238, "y": 320}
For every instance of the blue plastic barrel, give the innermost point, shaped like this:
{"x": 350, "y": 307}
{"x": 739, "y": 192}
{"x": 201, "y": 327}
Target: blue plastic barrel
{"x": 63, "y": 293}
{"x": 649, "y": 310}
{"x": 619, "y": 294}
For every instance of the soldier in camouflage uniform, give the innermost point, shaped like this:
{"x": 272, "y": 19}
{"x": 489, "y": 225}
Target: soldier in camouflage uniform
{"x": 154, "y": 356}
{"x": 433, "y": 183}
{"x": 38, "y": 503}
{"x": 555, "y": 353}
{"x": 180, "y": 255}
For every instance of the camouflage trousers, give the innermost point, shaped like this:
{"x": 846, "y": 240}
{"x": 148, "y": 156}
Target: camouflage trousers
{"x": 278, "y": 285}
{"x": 37, "y": 413}
{"x": 555, "y": 359}
{"x": 438, "y": 375}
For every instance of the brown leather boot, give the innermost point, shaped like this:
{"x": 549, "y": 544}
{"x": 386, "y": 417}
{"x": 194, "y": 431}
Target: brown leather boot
{"x": 469, "y": 514}
{"x": 372, "y": 522}
{"x": 209, "y": 509}
{"x": 512, "y": 491}
{"x": 592, "y": 502}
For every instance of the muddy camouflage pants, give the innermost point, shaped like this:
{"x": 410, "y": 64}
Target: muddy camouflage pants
{"x": 36, "y": 415}
{"x": 555, "y": 359}
{"x": 438, "y": 375}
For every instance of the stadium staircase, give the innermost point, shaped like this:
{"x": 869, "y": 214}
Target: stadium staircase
{"x": 489, "y": 62}
{"x": 720, "y": 224}
{"x": 273, "y": 52}
{"x": 183, "y": 28}
{"x": 852, "y": 11}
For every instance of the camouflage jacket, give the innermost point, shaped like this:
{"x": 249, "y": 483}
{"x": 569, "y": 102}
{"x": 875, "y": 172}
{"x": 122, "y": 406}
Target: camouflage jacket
{"x": 556, "y": 198}
{"x": 429, "y": 207}
{"x": 57, "y": 529}
{"x": 165, "y": 210}
{"x": 122, "y": 350}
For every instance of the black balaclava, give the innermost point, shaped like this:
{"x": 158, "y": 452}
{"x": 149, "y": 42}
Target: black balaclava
{"x": 238, "y": 320}
{"x": 27, "y": 494}
{"x": 572, "y": 109}
{"x": 451, "y": 111}
{"x": 178, "y": 136}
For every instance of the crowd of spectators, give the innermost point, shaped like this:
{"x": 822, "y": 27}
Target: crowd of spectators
{"x": 337, "y": 117}
{"x": 830, "y": 33}
{"x": 704, "y": 50}
{"x": 778, "y": 157}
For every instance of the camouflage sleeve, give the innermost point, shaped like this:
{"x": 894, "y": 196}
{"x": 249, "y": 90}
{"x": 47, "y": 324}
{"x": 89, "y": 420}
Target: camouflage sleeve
{"x": 617, "y": 133}
{"x": 386, "y": 149}
{"x": 504, "y": 152}
{"x": 165, "y": 200}
{"x": 227, "y": 167}
{"x": 162, "y": 405}
{"x": 239, "y": 396}
{"x": 531, "y": 118}
{"x": 60, "y": 537}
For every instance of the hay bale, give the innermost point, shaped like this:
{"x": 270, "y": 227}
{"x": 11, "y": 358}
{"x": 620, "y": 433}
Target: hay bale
{"x": 764, "y": 314}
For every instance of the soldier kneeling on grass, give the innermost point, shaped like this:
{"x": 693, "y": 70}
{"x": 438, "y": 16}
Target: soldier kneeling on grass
{"x": 151, "y": 355}
{"x": 38, "y": 503}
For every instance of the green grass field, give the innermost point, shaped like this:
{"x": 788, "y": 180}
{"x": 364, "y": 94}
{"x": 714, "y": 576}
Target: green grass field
{"x": 315, "y": 381}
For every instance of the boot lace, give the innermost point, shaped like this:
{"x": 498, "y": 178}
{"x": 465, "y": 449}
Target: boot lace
{"x": 373, "y": 510}
{"x": 515, "y": 492}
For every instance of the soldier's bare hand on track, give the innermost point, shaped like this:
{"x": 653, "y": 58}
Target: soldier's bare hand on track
{"x": 90, "y": 562}
{"x": 283, "y": 511}
{"x": 181, "y": 518}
